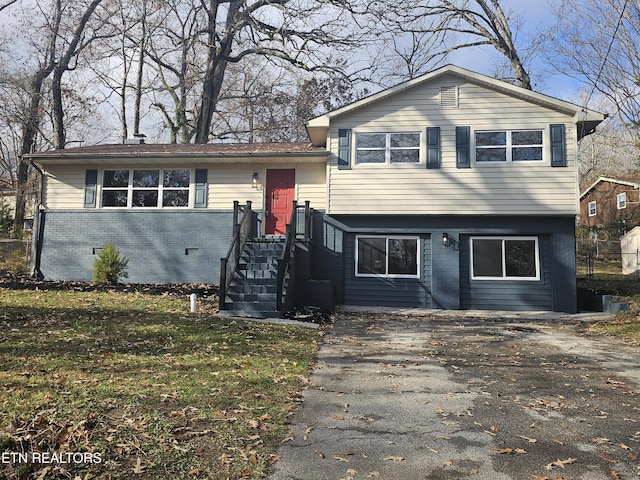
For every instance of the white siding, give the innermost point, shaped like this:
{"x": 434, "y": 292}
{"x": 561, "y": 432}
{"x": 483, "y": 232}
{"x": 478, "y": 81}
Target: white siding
{"x": 64, "y": 185}
{"x": 231, "y": 182}
{"x": 488, "y": 189}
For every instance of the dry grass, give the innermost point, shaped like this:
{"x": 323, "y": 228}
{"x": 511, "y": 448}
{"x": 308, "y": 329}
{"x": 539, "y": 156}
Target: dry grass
{"x": 148, "y": 389}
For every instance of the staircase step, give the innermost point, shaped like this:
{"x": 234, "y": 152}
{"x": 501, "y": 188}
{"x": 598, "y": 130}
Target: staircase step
{"x": 257, "y": 274}
{"x": 253, "y": 290}
{"x": 252, "y": 297}
{"x": 260, "y": 309}
{"x": 251, "y": 287}
{"x": 267, "y": 267}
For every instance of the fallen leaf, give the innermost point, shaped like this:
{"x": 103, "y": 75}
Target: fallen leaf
{"x": 139, "y": 468}
{"x": 560, "y": 463}
{"x": 614, "y": 474}
{"x": 340, "y": 459}
{"x": 393, "y": 458}
{"x": 623, "y": 446}
{"x": 530, "y": 440}
{"x": 373, "y": 474}
{"x": 510, "y": 451}
{"x": 351, "y": 471}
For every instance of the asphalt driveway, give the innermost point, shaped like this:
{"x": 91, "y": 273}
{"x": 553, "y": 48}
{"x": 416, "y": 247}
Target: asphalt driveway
{"x": 407, "y": 397}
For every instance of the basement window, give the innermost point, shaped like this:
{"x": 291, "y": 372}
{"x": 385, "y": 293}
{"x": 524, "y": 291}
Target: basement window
{"x": 509, "y": 258}
{"x": 387, "y": 257}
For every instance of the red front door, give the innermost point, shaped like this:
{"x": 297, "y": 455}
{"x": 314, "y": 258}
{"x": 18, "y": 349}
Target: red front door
{"x": 280, "y": 193}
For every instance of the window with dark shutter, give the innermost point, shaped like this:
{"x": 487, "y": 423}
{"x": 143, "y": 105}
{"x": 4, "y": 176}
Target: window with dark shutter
{"x": 558, "y": 145}
{"x": 201, "y": 188}
{"x": 463, "y": 147}
{"x": 90, "y": 188}
{"x": 344, "y": 149}
{"x": 433, "y": 147}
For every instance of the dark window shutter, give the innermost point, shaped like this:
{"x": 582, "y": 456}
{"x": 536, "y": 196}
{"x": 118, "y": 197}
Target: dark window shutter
{"x": 344, "y": 148}
{"x": 201, "y": 188}
{"x": 558, "y": 145}
{"x": 463, "y": 147}
{"x": 433, "y": 147}
{"x": 90, "y": 188}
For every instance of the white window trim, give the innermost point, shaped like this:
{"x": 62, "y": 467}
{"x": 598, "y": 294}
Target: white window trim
{"x": 387, "y": 275}
{"x": 621, "y": 200}
{"x": 509, "y": 146}
{"x": 592, "y": 208}
{"x": 387, "y": 149}
{"x": 504, "y": 263}
{"x": 160, "y": 188}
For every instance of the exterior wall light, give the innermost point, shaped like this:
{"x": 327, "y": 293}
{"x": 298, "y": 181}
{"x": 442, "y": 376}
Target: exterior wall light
{"x": 445, "y": 239}
{"x": 254, "y": 180}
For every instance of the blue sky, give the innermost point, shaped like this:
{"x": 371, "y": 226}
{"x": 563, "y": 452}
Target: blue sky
{"x": 536, "y": 15}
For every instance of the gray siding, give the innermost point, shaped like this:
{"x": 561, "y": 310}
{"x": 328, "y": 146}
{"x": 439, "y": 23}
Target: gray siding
{"x": 162, "y": 246}
{"x": 410, "y": 292}
{"x": 445, "y": 281}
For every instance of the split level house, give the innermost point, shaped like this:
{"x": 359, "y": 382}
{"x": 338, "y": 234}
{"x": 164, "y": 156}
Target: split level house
{"x": 450, "y": 191}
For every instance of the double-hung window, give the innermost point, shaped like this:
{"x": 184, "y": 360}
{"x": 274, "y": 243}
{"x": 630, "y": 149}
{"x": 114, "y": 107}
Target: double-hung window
{"x": 387, "y": 148}
{"x": 146, "y": 188}
{"x": 387, "y": 256}
{"x": 592, "y": 209}
{"x": 622, "y": 200}
{"x": 508, "y": 258}
{"x": 508, "y": 146}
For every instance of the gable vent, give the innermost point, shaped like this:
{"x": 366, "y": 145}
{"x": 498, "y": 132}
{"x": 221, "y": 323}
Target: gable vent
{"x": 449, "y": 96}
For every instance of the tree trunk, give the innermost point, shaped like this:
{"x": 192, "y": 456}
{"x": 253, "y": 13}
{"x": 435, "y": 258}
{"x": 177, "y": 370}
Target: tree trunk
{"x": 216, "y": 66}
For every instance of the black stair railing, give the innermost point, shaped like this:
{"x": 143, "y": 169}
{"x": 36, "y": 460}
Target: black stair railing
{"x": 299, "y": 226}
{"x": 241, "y": 232}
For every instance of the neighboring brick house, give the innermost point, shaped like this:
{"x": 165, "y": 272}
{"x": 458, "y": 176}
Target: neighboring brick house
{"x": 610, "y": 202}
{"x": 453, "y": 190}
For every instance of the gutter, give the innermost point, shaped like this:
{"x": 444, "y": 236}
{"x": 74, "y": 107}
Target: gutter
{"x": 38, "y": 222}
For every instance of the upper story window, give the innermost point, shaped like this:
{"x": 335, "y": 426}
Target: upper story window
{"x": 622, "y": 200}
{"x": 591, "y": 207}
{"x": 146, "y": 188}
{"x": 508, "y": 145}
{"x": 387, "y": 148}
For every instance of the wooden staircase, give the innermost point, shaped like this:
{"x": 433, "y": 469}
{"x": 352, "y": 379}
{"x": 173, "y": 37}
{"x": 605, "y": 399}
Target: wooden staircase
{"x": 257, "y": 274}
{"x": 254, "y": 285}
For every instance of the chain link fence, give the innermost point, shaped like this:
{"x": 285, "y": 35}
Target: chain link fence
{"x": 598, "y": 256}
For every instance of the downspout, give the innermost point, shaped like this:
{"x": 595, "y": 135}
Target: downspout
{"x": 36, "y": 236}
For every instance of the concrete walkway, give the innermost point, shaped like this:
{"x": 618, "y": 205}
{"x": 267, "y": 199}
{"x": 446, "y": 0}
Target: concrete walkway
{"x": 420, "y": 395}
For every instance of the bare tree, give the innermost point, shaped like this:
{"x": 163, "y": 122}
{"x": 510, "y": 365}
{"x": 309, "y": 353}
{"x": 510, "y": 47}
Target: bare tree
{"x": 299, "y": 33}
{"x": 54, "y": 45}
{"x": 7, "y": 4}
{"x": 598, "y": 42}
{"x": 438, "y": 28}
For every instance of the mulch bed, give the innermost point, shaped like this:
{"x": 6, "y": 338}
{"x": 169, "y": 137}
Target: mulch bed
{"x": 24, "y": 282}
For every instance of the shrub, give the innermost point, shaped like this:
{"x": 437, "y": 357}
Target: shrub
{"x": 6, "y": 218}
{"x": 110, "y": 266}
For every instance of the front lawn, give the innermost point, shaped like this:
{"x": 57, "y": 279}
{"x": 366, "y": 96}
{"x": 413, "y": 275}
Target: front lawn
{"x": 626, "y": 289}
{"x": 121, "y": 385}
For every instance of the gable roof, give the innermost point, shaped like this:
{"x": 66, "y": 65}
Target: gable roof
{"x": 610, "y": 180}
{"x": 182, "y": 152}
{"x": 586, "y": 119}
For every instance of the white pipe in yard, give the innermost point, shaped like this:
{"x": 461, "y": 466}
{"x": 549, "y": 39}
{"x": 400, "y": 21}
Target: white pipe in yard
{"x": 194, "y": 303}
